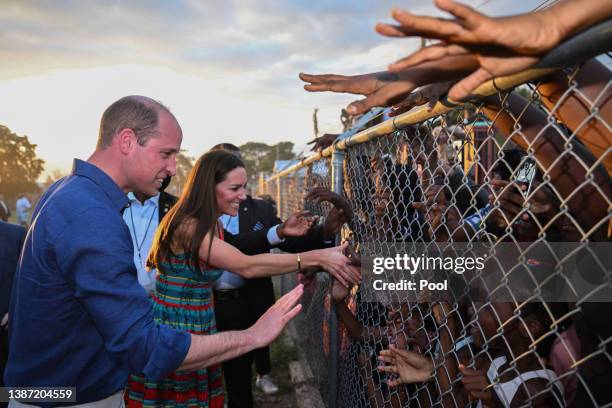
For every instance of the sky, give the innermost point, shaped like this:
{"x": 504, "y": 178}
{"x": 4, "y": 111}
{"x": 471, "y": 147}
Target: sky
{"x": 227, "y": 69}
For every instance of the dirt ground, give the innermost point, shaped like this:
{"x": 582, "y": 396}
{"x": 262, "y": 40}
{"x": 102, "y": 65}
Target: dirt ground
{"x": 281, "y": 354}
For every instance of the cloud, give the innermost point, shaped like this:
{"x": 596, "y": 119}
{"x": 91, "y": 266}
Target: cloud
{"x": 227, "y": 68}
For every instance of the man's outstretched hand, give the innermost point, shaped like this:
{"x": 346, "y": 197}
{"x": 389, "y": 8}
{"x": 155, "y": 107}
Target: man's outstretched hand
{"x": 269, "y": 326}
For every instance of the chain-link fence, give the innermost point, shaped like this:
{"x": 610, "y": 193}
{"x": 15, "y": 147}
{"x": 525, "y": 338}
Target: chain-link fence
{"x": 521, "y": 175}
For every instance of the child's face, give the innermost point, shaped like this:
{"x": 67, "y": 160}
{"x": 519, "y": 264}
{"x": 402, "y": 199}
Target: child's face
{"x": 489, "y": 318}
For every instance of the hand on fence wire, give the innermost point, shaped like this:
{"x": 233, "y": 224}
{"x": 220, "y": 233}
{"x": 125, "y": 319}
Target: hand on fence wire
{"x": 322, "y": 142}
{"x": 476, "y": 385}
{"x": 338, "y": 265}
{"x": 429, "y": 94}
{"x": 319, "y": 194}
{"x": 307, "y": 276}
{"x": 353, "y": 255}
{"x": 334, "y": 221}
{"x": 268, "y": 327}
{"x": 339, "y": 291}
{"x": 297, "y": 225}
{"x": 410, "y": 367}
{"x": 398, "y": 335}
{"x": 502, "y": 45}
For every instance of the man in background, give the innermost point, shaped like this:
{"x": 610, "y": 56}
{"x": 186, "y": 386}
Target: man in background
{"x": 22, "y": 207}
{"x": 142, "y": 218}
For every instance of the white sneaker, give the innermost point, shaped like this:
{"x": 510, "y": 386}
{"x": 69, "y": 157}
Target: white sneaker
{"x": 264, "y": 383}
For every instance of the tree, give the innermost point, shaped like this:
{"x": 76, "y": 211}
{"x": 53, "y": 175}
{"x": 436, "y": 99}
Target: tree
{"x": 55, "y": 175}
{"x": 253, "y": 154}
{"x": 184, "y": 163}
{"x": 19, "y": 165}
{"x": 259, "y": 157}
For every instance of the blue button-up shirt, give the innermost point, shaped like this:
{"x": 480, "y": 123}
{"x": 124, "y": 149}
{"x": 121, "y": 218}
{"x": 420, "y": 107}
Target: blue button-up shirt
{"x": 78, "y": 316}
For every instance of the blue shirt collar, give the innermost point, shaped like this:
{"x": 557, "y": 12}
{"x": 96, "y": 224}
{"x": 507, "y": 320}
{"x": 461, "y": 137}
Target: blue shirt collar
{"x": 103, "y": 180}
{"x": 153, "y": 200}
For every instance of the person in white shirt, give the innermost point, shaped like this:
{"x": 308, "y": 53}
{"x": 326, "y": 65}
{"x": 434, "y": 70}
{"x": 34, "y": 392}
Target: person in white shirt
{"x": 142, "y": 218}
{"x": 23, "y": 210}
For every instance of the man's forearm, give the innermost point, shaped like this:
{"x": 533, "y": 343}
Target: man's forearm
{"x": 206, "y": 350}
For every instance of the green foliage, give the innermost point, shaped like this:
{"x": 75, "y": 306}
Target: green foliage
{"x": 184, "y": 163}
{"x": 261, "y": 156}
{"x": 19, "y": 166}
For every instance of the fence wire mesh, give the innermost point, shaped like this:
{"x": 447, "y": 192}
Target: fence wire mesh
{"x": 523, "y": 168}
{"x": 289, "y": 193}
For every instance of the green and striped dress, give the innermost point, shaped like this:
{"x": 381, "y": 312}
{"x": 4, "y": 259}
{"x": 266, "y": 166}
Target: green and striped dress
{"x": 183, "y": 300}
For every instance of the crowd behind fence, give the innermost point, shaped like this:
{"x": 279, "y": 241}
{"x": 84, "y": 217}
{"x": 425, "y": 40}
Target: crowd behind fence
{"x": 522, "y": 174}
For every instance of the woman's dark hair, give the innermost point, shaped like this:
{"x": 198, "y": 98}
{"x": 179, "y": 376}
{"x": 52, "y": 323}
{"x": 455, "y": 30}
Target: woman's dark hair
{"x": 198, "y": 202}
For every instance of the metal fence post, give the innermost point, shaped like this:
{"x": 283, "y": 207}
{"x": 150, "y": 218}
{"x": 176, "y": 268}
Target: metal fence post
{"x": 337, "y": 187}
{"x": 279, "y": 198}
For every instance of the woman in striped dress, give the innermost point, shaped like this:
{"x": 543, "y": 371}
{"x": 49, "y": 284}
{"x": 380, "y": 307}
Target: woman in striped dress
{"x": 189, "y": 254}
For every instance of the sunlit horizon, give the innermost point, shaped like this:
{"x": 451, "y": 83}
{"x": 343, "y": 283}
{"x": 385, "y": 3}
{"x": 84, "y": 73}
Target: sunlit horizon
{"x": 233, "y": 79}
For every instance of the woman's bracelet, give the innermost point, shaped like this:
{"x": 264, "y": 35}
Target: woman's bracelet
{"x": 299, "y": 263}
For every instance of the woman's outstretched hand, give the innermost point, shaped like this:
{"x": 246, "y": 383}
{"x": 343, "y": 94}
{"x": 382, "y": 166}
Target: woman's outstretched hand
{"x": 339, "y": 266}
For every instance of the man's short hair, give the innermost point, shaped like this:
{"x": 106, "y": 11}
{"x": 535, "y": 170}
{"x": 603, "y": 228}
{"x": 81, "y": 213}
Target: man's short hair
{"x": 139, "y": 113}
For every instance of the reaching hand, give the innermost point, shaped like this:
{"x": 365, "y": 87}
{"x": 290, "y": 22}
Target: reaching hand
{"x": 338, "y": 265}
{"x": 502, "y": 45}
{"x": 268, "y": 327}
{"x": 475, "y": 383}
{"x": 380, "y": 88}
{"x": 339, "y": 292}
{"x": 353, "y": 256}
{"x": 323, "y": 142}
{"x": 307, "y": 276}
{"x": 409, "y": 366}
{"x": 297, "y": 225}
{"x": 319, "y": 194}
{"x": 333, "y": 223}
{"x": 429, "y": 94}
{"x": 441, "y": 312}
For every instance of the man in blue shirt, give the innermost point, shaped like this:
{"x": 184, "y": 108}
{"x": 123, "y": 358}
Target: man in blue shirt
{"x": 78, "y": 317}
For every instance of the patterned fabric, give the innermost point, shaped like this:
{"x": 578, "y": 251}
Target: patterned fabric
{"x": 182, "y": 300}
